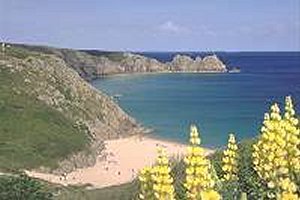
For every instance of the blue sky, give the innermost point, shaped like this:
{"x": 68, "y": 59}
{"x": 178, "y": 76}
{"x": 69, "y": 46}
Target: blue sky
{"x": 154, "y": 25}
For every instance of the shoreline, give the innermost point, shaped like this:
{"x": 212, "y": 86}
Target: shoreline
{"x": 158, "y": 72}
{"x": 124, "y": 158}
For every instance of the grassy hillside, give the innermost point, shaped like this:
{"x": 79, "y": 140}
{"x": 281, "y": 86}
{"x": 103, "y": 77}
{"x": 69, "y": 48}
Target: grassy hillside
{"x": 83, "y": 61}
{"x": 126, "y": 191}
{"x": 48, "y": 112}
{"x": 20, "y": 186}
{"x": 31, "y": 132}
{"x": 113, "y": 56}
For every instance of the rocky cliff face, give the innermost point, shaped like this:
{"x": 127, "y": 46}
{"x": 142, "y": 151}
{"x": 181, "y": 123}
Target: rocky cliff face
{"x": 134, "y": 63}
{"x": 181, "y": 63}
{"x": 184, "y": 63}
{"x": 92, "y": 64}
{"x": 47, "y": 78}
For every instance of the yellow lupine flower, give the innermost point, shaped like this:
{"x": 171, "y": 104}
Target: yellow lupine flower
{"x": 230, "y": 159}
{"x": 146, "y": 184}
{"x": 288, "y": 196}
{"x": 210, "y": 195}
{"x": 268, "y": 152}
{"x": 289, "y": 190}
{"x": 292, "y": 136}
{"x": 276, "y": 155}
{"x": 198, "y": 177}
{"x": 162, "y": 180}
{"x": 287, "y": 185}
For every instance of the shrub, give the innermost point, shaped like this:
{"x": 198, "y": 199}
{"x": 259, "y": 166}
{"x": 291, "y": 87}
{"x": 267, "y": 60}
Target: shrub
{"x": 22, "y": 187}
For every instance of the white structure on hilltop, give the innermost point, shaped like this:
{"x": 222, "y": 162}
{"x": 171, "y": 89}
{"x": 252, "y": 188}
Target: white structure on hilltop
{"x": 3, "y": 46}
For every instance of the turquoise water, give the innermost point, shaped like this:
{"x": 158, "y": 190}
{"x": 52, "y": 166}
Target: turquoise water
{"x": 217, "y": 103}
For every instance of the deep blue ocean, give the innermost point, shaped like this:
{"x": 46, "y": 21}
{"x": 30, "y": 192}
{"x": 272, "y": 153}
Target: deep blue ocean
{"x": 218, "y": 103}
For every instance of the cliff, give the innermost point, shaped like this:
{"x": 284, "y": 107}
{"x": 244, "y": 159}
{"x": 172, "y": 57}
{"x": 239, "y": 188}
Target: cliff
{"x": 183, "y": 63}
{"x": 91, "y": 64}
{"x": 50, "y": 116}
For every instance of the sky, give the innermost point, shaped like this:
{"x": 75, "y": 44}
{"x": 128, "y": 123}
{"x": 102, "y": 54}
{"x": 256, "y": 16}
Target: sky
{"x": 154, "y": 25}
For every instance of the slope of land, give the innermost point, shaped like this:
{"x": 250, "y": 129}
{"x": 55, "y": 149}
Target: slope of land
{"x": 48, "y": 113}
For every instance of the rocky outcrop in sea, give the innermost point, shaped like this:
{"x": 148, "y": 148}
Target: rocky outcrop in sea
{"x": 183, "y": 63}
{"x": 134, "y": 63}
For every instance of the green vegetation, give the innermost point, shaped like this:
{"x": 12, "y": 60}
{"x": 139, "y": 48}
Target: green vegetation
{"x": 113, "y": 56}
{"x": 46, "y": 108}
{"x": 126, "y": 191}
{"x": 31, "y": 133}
{"x": 20, "y": 53}
{"x": 248, "y": 181}
{"x": 20, "y": 186}
{"x": 72, "y": 57}
{"x": 44, "y": 112}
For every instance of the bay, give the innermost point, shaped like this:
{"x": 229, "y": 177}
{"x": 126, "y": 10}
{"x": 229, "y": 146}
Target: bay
{"x": 217, "y": 103}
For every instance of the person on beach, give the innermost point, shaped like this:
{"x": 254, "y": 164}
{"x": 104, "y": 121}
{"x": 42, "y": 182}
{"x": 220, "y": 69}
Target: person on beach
{"x": 132, "y": 173}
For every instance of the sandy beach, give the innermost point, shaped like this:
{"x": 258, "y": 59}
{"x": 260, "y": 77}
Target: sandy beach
{"x": 125, "y": 157}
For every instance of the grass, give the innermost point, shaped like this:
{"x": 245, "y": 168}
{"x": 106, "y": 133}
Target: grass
{"x": 31, "y": 133}
{"x": 20, "y": 53}
{"x": 113, "y": 56}
{"x": 126, "y": 191}
{"x": 20, "y": 186}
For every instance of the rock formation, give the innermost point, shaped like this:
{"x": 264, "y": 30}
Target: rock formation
{"x": 134, "y": 63}
{"x": 92, "y": 64}
{"x": 183, "y": 63}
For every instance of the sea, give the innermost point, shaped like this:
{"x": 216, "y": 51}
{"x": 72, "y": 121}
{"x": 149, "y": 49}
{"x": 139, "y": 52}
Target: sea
{"x": 218, "y": 104}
